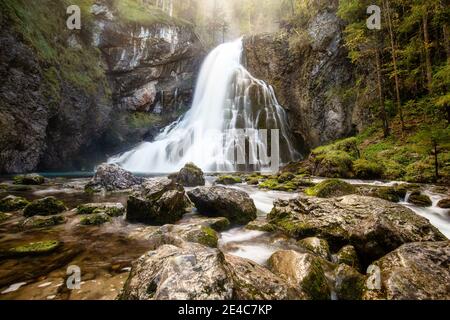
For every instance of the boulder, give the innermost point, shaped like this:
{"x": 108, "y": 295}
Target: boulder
{"x": 392, "y": 194}
{"x": 189, "y": 176}
{"x": 29, "y": 179}
{"x": 254, "y": 282}
{"x": 302, "y": 270}
{"x": 188, "y": 271}
{"x": 349, "y": 283}
{"x": 347, "y": 255}
{"x": 444, "y": 203}
{"x": 331, "y": 188}
{"x": 218, "y": 224}
{"x": 373, "y": 226}
{"x": 228, "y": 180}
{"x": 12, "y": 203}
{"x": 420, "y": 199}
{"x": 44, "y": 207}
{"x": 415, "y": 271}
{"x": 317, "y": 246}
{"x": 111, "y": 209}
{"x": 217, "y": 201}
{"x": 157, "y": 202}
{"x": 111, "y": 177}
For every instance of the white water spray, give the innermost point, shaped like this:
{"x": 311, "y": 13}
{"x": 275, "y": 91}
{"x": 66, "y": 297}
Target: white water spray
{"x": 226, "y": 98}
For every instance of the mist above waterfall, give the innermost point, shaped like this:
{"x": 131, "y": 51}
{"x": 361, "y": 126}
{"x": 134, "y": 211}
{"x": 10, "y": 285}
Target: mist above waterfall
{"x": 227, "y": 101}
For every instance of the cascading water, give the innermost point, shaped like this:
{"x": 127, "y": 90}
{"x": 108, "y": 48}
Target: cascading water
{"x": 227, "y": 98}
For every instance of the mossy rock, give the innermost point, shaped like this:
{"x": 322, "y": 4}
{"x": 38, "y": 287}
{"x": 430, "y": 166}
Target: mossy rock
{"x": 208, "y": 237}
{"x": 273, "y": 184}
{"x": 3, "y": 216}
{"x": 219, "y": 224}
{"x": 111, "y": 209}
{"x": 333, "y": 164}
{"x": 32, "y": 249}
{"x": 253, "y": 181}
{"x": 350, "y": 284}
{"x": 29, "y": 179}
{"x": 301, "y": 181}
{"x": 228, "y": 180}
{"x": 347, "y": 255}
{"x": 444, "y": 203}
{"x": 420, "y": 200}
{"x": 38, "y": 222}
{"x": 365, "y": 169}
{"x": 44, "y": 207}
{"x": 12, "y": 203}
{"x": 189, "y": 176}
{"x": 285, "y": 177}
{"x": 331, "y": 188}
{"x": 95, "y": 219}
{"x": 317, "y": 246}
{"x": 259, "y": 225}
{"x": 392, "y": 194}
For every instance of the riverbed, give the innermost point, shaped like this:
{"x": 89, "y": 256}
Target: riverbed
{"x": 105, "y": 253}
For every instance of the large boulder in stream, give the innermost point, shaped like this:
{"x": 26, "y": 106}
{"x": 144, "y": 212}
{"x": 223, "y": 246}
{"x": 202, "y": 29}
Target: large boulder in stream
{"x": 157, "y": 202}
{"x": 216, "y": 201}
{"x": 415, "y": 271}
{"x": 189, "y": 176}
{"x": 44, "y": 207}
{"x": 187, "y": 271}
{"x": 12, "y": 203}
{"x": 178, "y": 269}
{"x": 373, "y": 226}
{"x": 111, "y": 177}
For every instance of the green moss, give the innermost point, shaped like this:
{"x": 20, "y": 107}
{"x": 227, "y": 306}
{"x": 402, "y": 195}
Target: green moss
{"x": 315, "y": 284}
{"x": 45, "y": 222}
{"x": 95, "y": 219}
{"x": 44, "y": 207}
{"x": 261, "y": 226}
{"x": 220, "y": 224}
{"x": 31, "y": 249}
{"x": 29, "y": 179}
{"x": 331, "y": 188}
{"x": 365, "y": 169}
{"x": 139, "y": 120}
{"x": 48, "y": 37}
{"x": 134, "y": 11}
{"x": 350, "y": 285}
{"x": 273, "y": 184}
{"x": 3, "y": 216}
{"x": 208, "y": 237}
{"x": 12, "y": 203}
{"x": 228, "y": 180}
{"x": 392, "y": 194}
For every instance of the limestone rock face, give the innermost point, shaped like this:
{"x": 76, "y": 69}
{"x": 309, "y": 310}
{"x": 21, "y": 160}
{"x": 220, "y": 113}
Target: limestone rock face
{"x": 111, "y": 177}
{"x": 133, "y": 79}
{"x": 373, "y": 226}
{"x": 157, "y": 202}
{"x": 307, "y": 77}
{"x": 233, "y": 204}
{"x": 415, "y": 271}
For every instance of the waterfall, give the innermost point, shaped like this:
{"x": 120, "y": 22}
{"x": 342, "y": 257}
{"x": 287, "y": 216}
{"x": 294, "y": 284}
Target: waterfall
{"x": 227, "y": 98}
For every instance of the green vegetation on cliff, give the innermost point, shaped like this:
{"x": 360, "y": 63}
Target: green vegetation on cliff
{"x": 79, "y": 66}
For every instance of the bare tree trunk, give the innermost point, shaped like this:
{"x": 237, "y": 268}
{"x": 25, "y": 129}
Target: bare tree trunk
{"x": 394, "y": 62}
{"x": 427, "y": 45}
{"x": 383, "y": 115}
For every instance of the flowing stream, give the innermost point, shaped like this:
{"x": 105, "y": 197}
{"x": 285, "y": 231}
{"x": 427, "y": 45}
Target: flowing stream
{"x": 227, "y": 100}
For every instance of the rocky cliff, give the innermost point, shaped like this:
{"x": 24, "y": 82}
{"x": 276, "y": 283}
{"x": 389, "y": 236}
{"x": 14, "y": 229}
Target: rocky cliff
{"x": 70, "y": 98}
{"x": 311, "y": 74}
